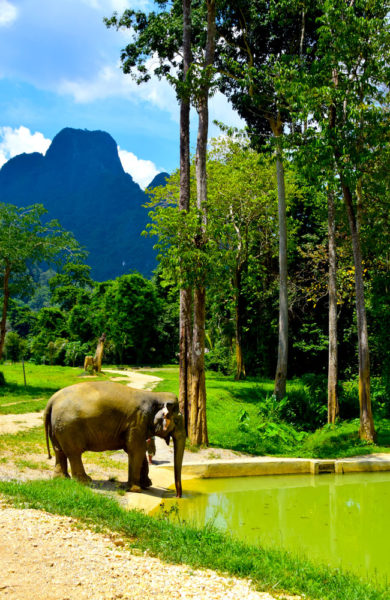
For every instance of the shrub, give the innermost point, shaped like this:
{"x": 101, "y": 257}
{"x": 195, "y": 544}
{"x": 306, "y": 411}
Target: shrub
{"x": 15, "y": 346}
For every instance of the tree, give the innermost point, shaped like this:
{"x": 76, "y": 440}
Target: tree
{"x": 333, "y": 404}
{"x": 26, "y": 241}
{"x": 167, "y": 34}
{"x": 185, "y": 337}
{"x": 344, "y": 100}
{"x": 259, "y": 38}
{"x": 71, "y": 285}
{"x": 241, "y": 216}
{"x": 129, "y": 317}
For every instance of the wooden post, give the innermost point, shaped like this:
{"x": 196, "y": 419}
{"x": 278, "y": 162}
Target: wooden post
{"x": 24, "y": 372}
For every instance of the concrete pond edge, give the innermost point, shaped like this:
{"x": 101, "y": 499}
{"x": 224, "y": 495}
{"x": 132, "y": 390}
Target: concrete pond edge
{"x": 162, "y": 475}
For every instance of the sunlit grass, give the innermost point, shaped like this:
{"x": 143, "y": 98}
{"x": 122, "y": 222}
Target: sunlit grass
{"x": 42, "y": 382}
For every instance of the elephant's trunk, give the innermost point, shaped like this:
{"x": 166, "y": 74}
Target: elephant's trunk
{"x": 179, "y": 441}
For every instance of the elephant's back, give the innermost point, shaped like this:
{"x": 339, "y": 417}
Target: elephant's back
{"x": 91, "y": 415}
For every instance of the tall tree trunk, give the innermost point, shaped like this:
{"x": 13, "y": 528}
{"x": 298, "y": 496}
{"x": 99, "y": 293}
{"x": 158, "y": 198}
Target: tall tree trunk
{"x": 3, "y": 322}
{"x": 367, "y": 430}
{"x": 185, "y": 342}
{"x": 333, "y": 403}
{"x": 240, "y": 365}
{"x": 184, "y": 204}
{"x": 198, "y": 421}
{"x": 281, "y": 368}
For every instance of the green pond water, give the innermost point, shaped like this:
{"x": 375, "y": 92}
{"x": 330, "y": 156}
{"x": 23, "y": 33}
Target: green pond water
{"x": 340, "y": 520}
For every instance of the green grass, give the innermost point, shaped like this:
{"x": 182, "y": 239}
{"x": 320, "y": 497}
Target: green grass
{"x": 242, "y": 416}
{"x": 42, "y": 382}
{"x": 30, "y": 441}
{"x": 272, "y": 570}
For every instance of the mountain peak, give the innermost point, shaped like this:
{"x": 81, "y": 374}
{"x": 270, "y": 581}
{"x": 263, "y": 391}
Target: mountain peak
{"x": 92, "y": 150}
{"x": 81, "y": 182}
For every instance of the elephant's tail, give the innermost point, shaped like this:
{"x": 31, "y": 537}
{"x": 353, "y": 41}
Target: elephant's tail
{"x": 47, "y": 421}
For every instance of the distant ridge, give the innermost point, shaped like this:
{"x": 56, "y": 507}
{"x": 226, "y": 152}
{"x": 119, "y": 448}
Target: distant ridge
{"x": 160, "y": 179}
{"x": 82, "y": 183}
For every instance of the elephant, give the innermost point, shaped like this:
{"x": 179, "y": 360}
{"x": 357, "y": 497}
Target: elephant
{"x": 103, "y": 415}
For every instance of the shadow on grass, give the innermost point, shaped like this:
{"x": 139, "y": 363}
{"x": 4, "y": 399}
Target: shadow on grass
{"x": 29, "y": 391}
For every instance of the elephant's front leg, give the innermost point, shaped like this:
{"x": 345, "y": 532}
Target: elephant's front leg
{"x": 136, "y": 450}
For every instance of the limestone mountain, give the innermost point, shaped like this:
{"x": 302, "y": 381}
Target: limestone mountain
{"x": 81, "y": 182}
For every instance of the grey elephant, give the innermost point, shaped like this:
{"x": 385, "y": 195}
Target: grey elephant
{"x": 104, "y": 415}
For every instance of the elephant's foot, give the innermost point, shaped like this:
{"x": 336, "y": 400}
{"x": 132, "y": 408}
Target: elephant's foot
{"x": 58, "y": 474}
{"x": 83, "y": 478}
{"x": 134, "y": 488}
{"x": 146, "y": 483}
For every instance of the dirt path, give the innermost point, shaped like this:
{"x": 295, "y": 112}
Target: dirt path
{"x": 15, "y": 423}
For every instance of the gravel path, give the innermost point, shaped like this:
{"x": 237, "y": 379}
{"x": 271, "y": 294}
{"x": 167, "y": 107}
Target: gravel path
{"x": 46, "y": 557}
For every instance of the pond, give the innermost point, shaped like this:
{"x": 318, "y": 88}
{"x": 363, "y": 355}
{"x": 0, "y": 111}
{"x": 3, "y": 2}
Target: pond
{"x": 340, "y": 520}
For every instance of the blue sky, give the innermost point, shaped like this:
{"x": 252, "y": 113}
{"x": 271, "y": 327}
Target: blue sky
{"x": 60, "y": 68}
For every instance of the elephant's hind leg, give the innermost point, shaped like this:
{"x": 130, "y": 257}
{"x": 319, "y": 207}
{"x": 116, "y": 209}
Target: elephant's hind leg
{"x": 77, "y": 469}
{"x": 61, "y": 466}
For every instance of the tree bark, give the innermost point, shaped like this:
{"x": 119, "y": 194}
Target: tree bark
{"x": 281, "y": 368}
{"x": 240, "y": 364}
{"x": 184, "y": 204}
{"x": 367, "y": 430}
{"x": 3, "y": 322}
{"x": 185, "y": 342}
{"x": 198, "y": 421}
{"x": 333, "y": 404}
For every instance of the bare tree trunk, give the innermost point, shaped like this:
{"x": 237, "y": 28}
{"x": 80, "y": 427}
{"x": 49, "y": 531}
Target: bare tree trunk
{"x": 333, "y": 403}
{"x": 184, "y": 204}
{"x": 198, "y": 421}
{"x": 367, "y": 430}
{"x": 185, "y": 343}
{"x": 240, "y": 365}
{"x": 98, "y": 358}
{"x": 198, "y": 424}
{"x": 3, "y": 322}
{"x": 281, "y": 368}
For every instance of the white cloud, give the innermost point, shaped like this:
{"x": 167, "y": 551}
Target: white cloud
{"x": 17, "y": 141}
{"x": 142, "y": 171}
{"x": 8, "y": 13}
{"x": 110, "y": 82}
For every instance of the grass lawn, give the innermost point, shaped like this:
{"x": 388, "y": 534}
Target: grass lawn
{"x": 42, "y": 381}
{"x": 242, "y": 415}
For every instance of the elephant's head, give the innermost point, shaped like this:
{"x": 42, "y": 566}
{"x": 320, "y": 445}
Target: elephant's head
{"x": 168, "y": 422}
